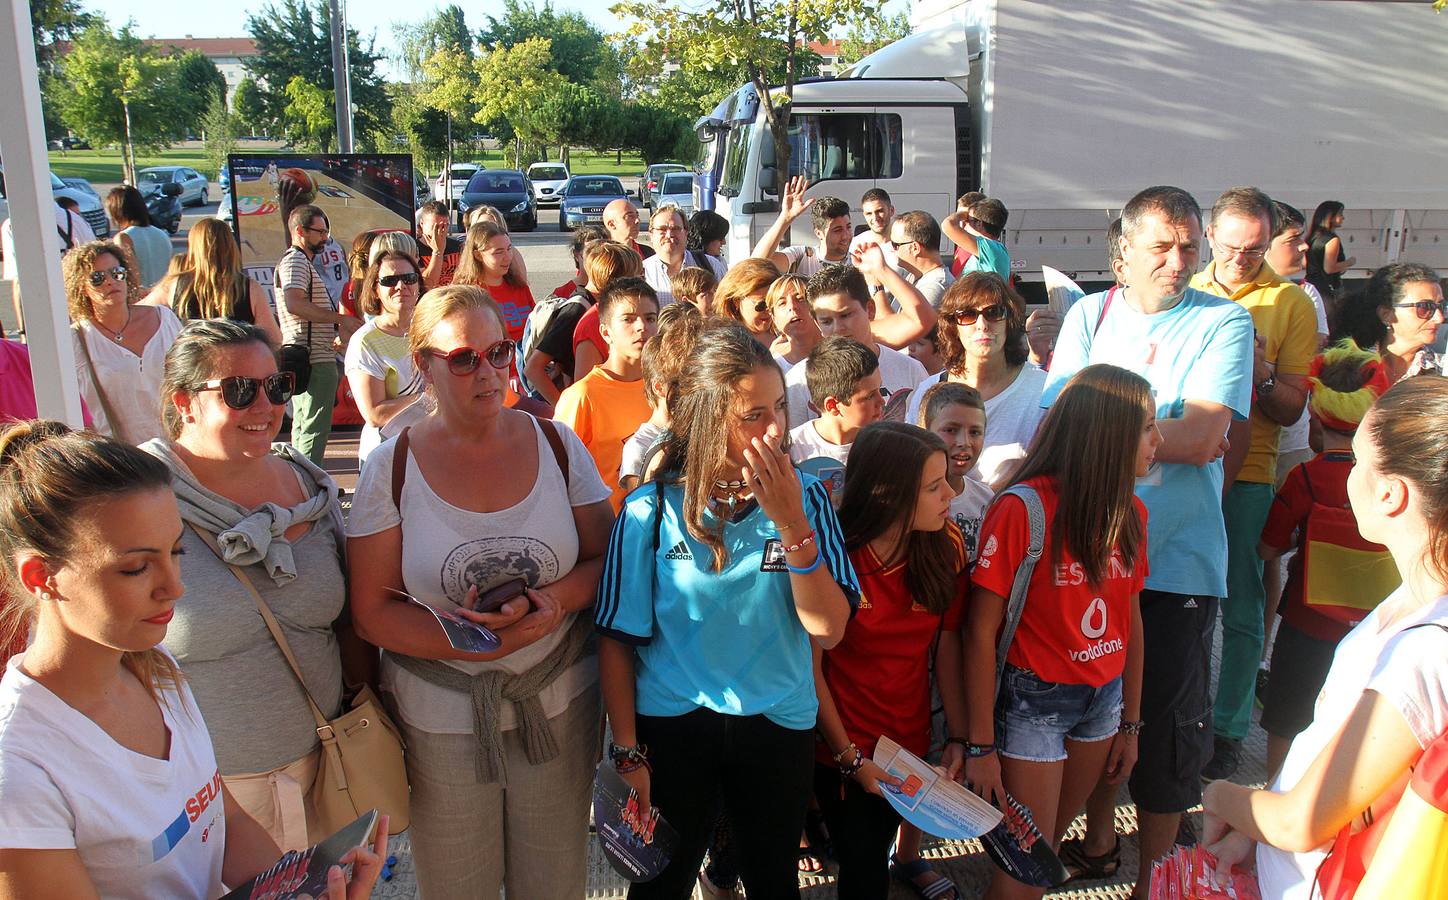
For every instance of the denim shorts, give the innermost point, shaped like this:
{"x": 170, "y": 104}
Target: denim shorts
{"x": 1033, "y": 718}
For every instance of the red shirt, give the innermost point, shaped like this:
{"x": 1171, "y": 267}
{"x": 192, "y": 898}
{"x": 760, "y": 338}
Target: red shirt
{"x": 566, "y": 289}
{"x": 958, "y": 260}
{"x": 1071, "y": 632}
{"x": 1327, "y": 473}
{"x": 587, "y": 330}
{"x": 516, "y": 301}
{"x": 879, "y": 673}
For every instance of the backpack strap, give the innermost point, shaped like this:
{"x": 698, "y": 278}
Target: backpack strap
{"x": 1016, "y": 603}
{"x": 1105, "y": 305}
{"x": 399, "y": 467}
{"x": 555, "y": 441}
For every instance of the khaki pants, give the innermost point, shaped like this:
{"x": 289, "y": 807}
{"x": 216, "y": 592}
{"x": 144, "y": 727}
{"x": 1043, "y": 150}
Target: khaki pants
{"x": 470, "y": 839}
{"x": 279, "y": 803}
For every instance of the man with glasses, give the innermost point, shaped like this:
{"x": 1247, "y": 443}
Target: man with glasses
{"x": 1240, "y": 233}
{"x": 669, "y": 233}
{"x": 1195, "y": 349}
{"x": 310, "y": 316}
{"x": 915, "y": 237}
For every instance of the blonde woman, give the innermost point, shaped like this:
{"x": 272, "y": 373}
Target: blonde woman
{"x": 211, "y": 284}
{"x": 743, "y": 296}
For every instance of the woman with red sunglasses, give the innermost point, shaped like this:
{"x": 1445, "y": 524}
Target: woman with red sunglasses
{"x": 981, "y": 339}
{"x": 499, "y": 518}
{"x": 266, "y": 509}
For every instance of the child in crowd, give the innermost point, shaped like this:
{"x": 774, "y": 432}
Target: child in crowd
{"x": 911, "y": 560}
{"x": 606, "y": 406}
{"x": 1067, "y": 703}
{"x": 1344, "y": 383}
{"x": 924, "y": 351}
{"x": 663, "y": 361}
{"x": 956, "y": 413}
{"x": 695, "y": 287}
{"x": 720, "y": 578}
{"x": 844, "y": 386}
{"x": 788, "y": 300}
{"x": 551, "y": 363}
{"x": 589, "y": 347}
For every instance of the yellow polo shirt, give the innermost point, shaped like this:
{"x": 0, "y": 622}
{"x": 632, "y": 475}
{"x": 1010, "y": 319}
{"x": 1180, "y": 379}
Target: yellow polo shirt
{"x": 1283, "y": 314}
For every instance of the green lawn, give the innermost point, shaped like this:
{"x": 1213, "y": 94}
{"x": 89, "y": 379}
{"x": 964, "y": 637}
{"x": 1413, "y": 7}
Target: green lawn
{"x": 104, "y": 166}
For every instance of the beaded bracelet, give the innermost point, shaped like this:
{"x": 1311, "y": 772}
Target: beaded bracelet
{"x": 849, "y": 748}
{"x": 803, "y": 542}
{"x": 850, "y": 768}
{"x": 1132, "y": 728}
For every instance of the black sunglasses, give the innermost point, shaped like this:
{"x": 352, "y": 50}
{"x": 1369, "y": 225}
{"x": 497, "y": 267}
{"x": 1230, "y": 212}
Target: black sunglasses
{"x": 240, "y": 391}
{"x": 1426, "y": 308}
{"x": 761, "y": 305}
{"x": 99, "y": 278}
{"x": 993, "y": 313}
{"x": 400, "y": 277}
{"x": 465, "y": 360}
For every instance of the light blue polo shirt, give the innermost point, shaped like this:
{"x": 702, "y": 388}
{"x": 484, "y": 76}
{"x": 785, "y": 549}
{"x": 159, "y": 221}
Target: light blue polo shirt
{"x": 728, "y": 641}
{"x": 1200, "y": 349}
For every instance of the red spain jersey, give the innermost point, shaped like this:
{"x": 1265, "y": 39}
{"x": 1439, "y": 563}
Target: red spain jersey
{"x": 1071, "y": 632}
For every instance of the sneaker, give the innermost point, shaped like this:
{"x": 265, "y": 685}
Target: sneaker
{"x": 1226, "y": 756}
{"x": 1261, "y": 692}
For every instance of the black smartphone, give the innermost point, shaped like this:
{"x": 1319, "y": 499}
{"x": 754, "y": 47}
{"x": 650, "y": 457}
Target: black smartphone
{"x": 492, "y": 600}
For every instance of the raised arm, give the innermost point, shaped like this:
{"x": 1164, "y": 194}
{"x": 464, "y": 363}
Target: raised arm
{"x": 954, "y": 227}
{"x": 792, "y": 205}
{"x": 916, "y": 315}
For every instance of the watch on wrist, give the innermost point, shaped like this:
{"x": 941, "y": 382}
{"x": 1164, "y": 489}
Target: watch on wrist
{"x": 1265, "y": 388}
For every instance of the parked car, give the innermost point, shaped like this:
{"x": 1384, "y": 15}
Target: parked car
{"x": 584, "y": 198}
{"x": 82, "y": 185}
{"x": 90, "y": 205}
{"x": 650, "y": 180}
{"x": 195, "y": 189}
{"x": 421, "y": 193}
{"x": 548, "y": 179}
{"x": 459, "y": 174}
{"x": 506, "y": 190}
{"x": 69, "y": 143}
{"x": 677, "y": 189}
{"x": 223, "y": 180}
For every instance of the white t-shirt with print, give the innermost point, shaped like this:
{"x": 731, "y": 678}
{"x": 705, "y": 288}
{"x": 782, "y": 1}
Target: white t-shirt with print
{"x": 143, "y": 827}
{"x": 805, "y": 442}
{"x": 1011, "y": 419}
{"x": 446, "y": 550}
{"x": 806, "y": 261}
{"x": 898, "y": 371}
{"x": 388, "y": 358}
{"x": 968, "y": 509}
{"x": 1408, "y": 666}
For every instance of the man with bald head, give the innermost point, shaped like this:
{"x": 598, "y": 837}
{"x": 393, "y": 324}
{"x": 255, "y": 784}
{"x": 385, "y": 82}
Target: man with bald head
{"x": 621, "y": 221}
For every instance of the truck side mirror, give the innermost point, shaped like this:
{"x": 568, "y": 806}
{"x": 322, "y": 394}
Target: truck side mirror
{"x": 769, "y": 180}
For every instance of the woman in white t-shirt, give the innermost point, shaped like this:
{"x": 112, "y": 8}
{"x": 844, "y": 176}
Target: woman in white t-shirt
{"x": 981, "y": 338}
{"x": 1386, "y": 695}
{"x": 378, "y": 363}
{"x": 108, "y": 783}
{"x": 478, "y": 502}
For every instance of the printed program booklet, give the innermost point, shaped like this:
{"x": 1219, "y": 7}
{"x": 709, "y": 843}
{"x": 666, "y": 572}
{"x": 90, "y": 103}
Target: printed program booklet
{"x": 303, "y": 873}
{"x": 637, "y": 842}
{"x": 462, "y": 634}
{"x": 930, "y": 801}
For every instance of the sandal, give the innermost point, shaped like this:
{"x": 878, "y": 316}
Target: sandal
{"x": 817, "y": 834}
{"x": 937, "y": 888}
{"x": 1084, "y": 866}
{"x": 811, "y": 862}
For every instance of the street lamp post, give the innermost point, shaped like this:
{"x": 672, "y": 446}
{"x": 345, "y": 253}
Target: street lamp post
{"x": 341, "y": 75}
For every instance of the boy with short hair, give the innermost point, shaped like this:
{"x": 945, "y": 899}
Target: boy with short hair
{"x": 956, "y": 412}
{"x": 844, "y": 385}
{"x": 607, "y": 405}
{"x": 695, "y": 286}
{"x": 664, "y": 356}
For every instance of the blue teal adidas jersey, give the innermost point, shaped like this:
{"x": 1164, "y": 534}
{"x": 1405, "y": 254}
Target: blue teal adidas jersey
{"x": 729, "y": 641}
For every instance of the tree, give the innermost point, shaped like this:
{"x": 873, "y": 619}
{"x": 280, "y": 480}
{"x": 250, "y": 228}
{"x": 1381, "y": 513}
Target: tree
{"x": 249, "y": 106}
{"x": 114, "y": 88}
{"x": 445, "y": 29}
{"x": 579, "y": 51}
{"x": 53, "y": 21}
{"x": 218, "y": 126}
{"x": 309, "y": 114}
{"x": 293, "y": 41}
{"x": 763, "y": 37}
{"x": 517, "y": 85}
{"x": 866, "y": 34}
{"x": 197, "y": 78}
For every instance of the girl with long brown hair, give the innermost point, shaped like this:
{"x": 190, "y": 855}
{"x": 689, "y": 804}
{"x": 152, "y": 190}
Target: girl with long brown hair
{"x": 911, "y": 560}
{"x": 743, "y": 295}
{"x": 212, "y": 285}
{"x": 488, "y": 262}
{"x": 1067, "y": 704}
{"x": 719, "y": 576}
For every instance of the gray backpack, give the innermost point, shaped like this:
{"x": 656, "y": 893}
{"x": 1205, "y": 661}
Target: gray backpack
{"x": 1016, "y": 603}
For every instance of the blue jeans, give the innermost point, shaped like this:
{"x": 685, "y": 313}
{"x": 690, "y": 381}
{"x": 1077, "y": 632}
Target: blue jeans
{"x": 1033, "y": 718}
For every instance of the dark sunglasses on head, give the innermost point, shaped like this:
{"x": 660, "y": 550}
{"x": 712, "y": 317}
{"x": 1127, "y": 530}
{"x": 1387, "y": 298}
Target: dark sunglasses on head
{"x": 993, "y": 313}
{"x": 98, "y": 278}
{"x": 399, "y": 278}
{"x": 465, "y": 360}
{"x": 240, "y": 391}
{"x": 1426, "y": 308}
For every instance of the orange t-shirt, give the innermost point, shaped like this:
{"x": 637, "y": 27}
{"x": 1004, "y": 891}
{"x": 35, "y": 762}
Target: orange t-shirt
{"x": 604, "y": 412}
{"x": 1071, "y": 632}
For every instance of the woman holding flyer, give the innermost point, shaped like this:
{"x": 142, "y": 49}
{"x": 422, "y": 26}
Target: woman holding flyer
{"x": 1067, "y": 703}
{"x": 108, "y": 783}
{"x": 720, "y": 576}
{"x": 1386, "y": 694}
{"x": 911, "y": 561}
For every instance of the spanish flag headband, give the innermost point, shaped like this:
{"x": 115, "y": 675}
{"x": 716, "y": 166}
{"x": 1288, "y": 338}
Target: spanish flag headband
{"x": 1339, "y": 410}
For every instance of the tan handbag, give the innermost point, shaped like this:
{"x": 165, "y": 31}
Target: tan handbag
{"x": 361, "y": 766}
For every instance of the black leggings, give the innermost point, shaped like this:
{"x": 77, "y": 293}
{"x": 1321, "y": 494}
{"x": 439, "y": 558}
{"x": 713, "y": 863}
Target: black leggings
{"x": 862, "y": 828}
{"x": 758, "y": 771}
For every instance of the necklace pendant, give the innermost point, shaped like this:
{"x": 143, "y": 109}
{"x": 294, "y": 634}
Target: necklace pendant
{"x": 116, "y": 337}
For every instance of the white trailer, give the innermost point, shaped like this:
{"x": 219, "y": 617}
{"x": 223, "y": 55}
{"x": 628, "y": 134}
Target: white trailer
{"x": 1065, "y": 110}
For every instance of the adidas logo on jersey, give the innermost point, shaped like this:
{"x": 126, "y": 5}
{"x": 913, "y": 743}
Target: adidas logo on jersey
{"x": 679, "y": 551}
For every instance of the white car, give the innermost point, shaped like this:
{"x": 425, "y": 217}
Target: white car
{"x": 461, "y": 174}
{"x": 677, "y": 189}
{"x": 548, "y": 179}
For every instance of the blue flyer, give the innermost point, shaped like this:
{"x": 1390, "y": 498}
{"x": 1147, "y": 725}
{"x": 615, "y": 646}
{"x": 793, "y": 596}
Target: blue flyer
{"x": 930, "y": 801}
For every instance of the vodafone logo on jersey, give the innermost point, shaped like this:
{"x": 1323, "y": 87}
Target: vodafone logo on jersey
{"x": 1093, "y": 621}
{"x": 1093, "y": 626}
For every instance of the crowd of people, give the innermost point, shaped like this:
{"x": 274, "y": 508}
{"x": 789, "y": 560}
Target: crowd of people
{"x": 755, "y": 516}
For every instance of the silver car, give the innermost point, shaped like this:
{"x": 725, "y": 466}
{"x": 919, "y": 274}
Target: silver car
{"x": 677, "y": 189}
{"x": 459, "y": 174}
{"x": 195, "y": 189}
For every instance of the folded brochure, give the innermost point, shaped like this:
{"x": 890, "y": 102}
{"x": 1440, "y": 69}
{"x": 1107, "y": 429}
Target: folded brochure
{"x": 461, "y": 634}
{"x": 303, "y": 873}
{"x": 637, "y": 842}
{"x": 1018, "y": 848}
{"x": 930, "y": 801}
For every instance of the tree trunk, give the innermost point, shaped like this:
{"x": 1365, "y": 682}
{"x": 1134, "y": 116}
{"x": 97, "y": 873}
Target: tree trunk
{"x": 128, "y": 164}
